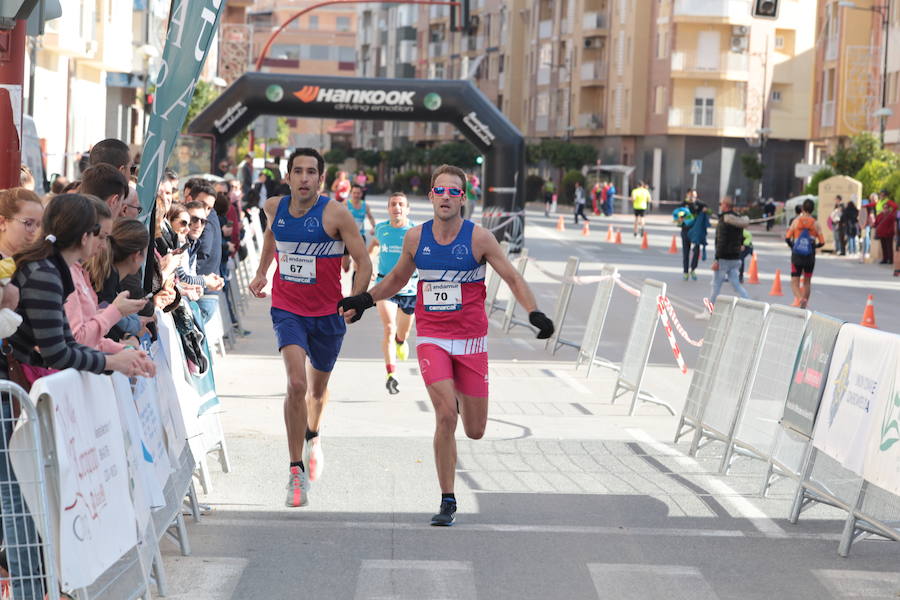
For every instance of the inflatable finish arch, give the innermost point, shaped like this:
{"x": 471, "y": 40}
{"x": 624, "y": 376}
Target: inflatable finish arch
{"x": 451, "y": 101}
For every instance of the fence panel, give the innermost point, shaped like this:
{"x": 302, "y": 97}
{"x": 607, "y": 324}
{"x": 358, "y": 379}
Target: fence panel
{"x": 698, "y": 392}
{"x": 757, "y": 425}
{"x": 26, "y": 509}
{"x": 509, "y": 313}
{"x": 562, "y": 306}
{"x": 637, "y": 348}
{"x": 729, "y": 378}
{"x": 493, "y": 283}
{"x": 587, "y": 352}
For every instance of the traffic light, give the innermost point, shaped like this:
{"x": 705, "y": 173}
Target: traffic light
{"x": 479, "y": 159}
{"x": 765, "y": 9}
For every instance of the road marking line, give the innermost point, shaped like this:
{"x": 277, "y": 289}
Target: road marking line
{"x": 571, "y": 382}
{"x": 739, "y": 503}
{"x": 415, "y": 580}
{"x": 206, "y": 578}
{"x": 289, "y": 523}
{"x": 637, "y": 582}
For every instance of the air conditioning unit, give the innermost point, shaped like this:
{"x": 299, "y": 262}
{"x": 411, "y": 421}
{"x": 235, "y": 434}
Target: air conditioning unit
{"x": 740, "y": 30}
{"x": 738, "y": 43}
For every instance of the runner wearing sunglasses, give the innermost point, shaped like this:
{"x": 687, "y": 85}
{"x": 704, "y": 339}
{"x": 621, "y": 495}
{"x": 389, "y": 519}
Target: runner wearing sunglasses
{"x": 451, "y": 323}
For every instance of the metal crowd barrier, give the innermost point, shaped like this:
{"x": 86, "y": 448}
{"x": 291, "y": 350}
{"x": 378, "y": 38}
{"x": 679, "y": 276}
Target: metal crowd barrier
{"x": 637, "y": 349}
{"x": 590, "y": 342}
{"x": 30, "y": 561}
{"x": 562, "y": 307}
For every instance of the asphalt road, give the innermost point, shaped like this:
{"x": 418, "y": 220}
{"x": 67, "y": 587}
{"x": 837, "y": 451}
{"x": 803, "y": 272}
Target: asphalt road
{"x": 566, "y": 496}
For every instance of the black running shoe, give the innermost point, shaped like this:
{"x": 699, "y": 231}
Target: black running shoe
{"x": 392, "y": 386}
{"x": 447, "y": 516}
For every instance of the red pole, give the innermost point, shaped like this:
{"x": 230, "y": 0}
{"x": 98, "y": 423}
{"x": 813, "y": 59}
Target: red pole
{"x": 12, "y": 76}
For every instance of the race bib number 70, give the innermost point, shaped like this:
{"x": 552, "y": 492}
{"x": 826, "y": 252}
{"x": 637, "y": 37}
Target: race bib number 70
{"x": 297, "y": 268}
{"x": 442, "y": 296}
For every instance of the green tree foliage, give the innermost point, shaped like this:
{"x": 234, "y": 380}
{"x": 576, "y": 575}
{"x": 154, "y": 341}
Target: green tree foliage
{"x": 892, "y": 185}
{"x": 562, "y": 154}
{"x": 850, "y": 158}
{"x": 813, "y": 186}
{"x": 335, "y": 156}
{"x": 534, "y": 188}
{"x": 873, "y": 176}
{"x": 460, "y": 154}
{"x": 204, "y": 94}
{"x": 568, "y": 185}
{"x": 752, "y": 167}
{"x": 369, "y": 158}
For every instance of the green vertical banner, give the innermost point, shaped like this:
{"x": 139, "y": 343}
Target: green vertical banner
{"x": 192, "y": 28}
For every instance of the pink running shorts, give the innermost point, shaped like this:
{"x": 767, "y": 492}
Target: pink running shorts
{"x": 469, "y": 372}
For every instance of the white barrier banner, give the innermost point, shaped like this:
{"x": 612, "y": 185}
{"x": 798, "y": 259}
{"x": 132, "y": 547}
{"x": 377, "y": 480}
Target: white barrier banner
{"x": 860, "y": 382}
{"x": 146, "y": 493}
{"x": 96, "y": 514}
{"x": 882, "y": 466}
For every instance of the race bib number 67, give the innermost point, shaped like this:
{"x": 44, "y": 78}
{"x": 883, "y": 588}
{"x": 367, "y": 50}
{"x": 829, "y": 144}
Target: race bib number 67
{"x": 297, "y": 268}
{"x": 442, "y": 296}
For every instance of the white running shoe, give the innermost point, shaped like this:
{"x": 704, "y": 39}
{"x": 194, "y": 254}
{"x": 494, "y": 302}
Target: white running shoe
{"x": 315, "y": 458}
{"x": 297, "y": 488}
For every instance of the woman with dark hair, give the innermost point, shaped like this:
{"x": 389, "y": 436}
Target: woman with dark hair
{"x": 128, "y": 244}
{"x": 45, "y": 340}
{"x": 89, "y": 323}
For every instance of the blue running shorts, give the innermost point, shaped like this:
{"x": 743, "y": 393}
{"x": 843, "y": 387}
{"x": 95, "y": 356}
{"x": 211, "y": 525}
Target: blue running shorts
{"x": 320, "y": 337}
{"x": 406, "y": 303}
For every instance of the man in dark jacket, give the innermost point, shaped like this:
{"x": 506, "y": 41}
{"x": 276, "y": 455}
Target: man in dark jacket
{"x": 729, "y": 238}
{"x": 208, "y": 250}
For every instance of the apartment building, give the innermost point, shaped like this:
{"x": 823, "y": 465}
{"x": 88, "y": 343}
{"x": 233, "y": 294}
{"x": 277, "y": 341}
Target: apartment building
{"x": 416, "y": 41}
{"x": 321, "y": 42}
{"x": 90, "y": 72}
{"x": 850, "y": 63}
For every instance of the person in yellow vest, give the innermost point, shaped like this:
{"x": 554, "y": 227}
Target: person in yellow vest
{"x": 640, "y": 199}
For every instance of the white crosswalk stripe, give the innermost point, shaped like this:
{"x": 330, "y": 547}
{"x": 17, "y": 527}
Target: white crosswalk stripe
{"x": 415, "y": 580}
{"x": 638, "y": 582}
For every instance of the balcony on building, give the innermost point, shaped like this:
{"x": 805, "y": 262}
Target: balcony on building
{"x": 727, "y": 121}
{"x": 545, "y": 29}
{"x": 725, "y": 65}
{"x": 590, "y": 121}
{"x": 593, "y": 21}
{"x": 827, "y": 118}
{"x": 593, "y": 73}
{"x": 712, "y": 11}
{"x": 543, "y": 76}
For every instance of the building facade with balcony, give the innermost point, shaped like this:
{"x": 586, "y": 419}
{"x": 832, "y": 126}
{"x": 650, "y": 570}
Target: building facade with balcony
{"x": 417, "y": 41}
{"x": 709, "y": 83}
{"x": 849, "y": 60}
{"x": 90, "y": 73}
{"x": 321, "y": 42}
{"x": 566, "y": 70}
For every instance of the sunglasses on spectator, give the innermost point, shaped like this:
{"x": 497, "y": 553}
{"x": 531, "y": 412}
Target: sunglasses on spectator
{"x": 136, "y": 207}
{"x": 30, "y": 225}
{"x": 181, "y": 222}
{"x": 200, "y": 220}
{"x": 453, "y": 192}
{"x": 95, "y": 230}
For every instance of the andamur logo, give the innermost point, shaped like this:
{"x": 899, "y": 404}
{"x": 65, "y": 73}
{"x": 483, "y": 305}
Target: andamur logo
{"x": 890, "y": 424}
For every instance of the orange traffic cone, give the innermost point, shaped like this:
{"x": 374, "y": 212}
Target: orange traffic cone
{"x": 645, "y": 242}
{"x": 618, "y": 237}
{"x": 868, "y": 319}
{"x": 754, "y": 270}
{"x": 776, "y": 285}
{"x": 673, "y": 249}
{"x": 609, "y": 234}
{"x": 560, "y": 224}
{"x": 586, "y": 229}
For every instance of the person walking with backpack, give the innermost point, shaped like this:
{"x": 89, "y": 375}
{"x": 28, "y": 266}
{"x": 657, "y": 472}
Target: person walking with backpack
{"x": 803, "y": 236}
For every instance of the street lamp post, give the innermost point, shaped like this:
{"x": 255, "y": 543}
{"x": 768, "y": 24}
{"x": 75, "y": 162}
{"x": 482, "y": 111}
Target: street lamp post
{"x": 883, "y": 10}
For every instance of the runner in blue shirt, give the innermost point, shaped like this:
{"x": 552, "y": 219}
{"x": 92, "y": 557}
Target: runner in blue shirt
{"x": 388, "y": 244}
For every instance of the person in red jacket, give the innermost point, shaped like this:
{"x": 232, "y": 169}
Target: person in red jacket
{"x": 885, "y": 224}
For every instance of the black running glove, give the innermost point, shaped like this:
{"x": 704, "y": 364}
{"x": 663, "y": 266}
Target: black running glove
{"x": 359, "y": 303}
{"x": 544, "y": 325}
